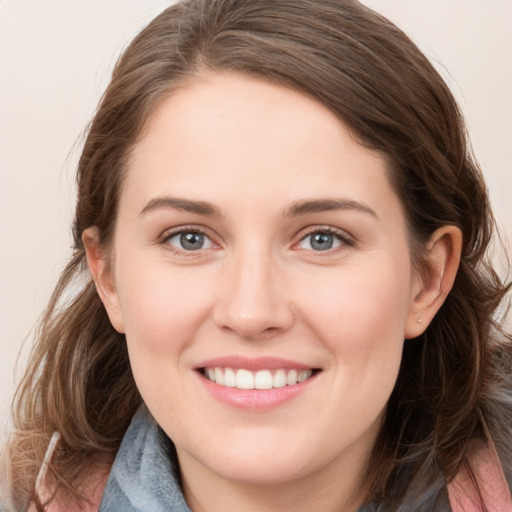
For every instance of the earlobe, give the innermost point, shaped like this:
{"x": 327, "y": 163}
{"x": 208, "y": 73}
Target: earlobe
{"x": 102, "y": 275}
{"x": 443, "y": 258}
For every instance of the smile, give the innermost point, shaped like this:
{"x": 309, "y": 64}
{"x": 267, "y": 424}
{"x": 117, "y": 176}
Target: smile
{"x": 262, "y": 379}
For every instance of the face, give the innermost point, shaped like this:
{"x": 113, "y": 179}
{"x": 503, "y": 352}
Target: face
{"x": 258, "y": 245}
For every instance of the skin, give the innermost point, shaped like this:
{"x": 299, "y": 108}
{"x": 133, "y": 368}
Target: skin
{"x": 253, "y": 150}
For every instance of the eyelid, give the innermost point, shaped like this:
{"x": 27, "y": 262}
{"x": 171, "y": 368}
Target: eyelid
{"x": 341, "y": 234}
{"x": 194, "y": 228}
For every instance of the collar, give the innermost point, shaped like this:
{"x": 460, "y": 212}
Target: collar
{"x": 142, "y": 478}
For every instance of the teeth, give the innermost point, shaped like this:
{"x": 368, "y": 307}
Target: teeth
{"x": 229, "y": 378}
{"x": 279, "y": 380}
{"x": 263, "y": 379}
{"x": 291, "y": 378}
{"x": 244, "y": 379}
{"x": 303, "y": 375}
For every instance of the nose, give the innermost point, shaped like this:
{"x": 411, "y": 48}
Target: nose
{"x": 253, "y": 301}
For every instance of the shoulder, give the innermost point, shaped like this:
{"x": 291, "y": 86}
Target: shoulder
{"x": 480, "y": 481}
{"x": 61, "y": 501}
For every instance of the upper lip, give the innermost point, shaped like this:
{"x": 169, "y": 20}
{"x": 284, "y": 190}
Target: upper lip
{"x": 253, "y": 364}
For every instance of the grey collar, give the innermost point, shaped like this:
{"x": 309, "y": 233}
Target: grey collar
{"x": 142, "y": 478}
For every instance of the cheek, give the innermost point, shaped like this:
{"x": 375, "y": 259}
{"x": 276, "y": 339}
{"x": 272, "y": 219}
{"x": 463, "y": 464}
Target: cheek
{"x": 162, "y": 306}
{"x": 360, "y": 316}
{"x": 163, "y": 310}
{"x": 357, "y": 301}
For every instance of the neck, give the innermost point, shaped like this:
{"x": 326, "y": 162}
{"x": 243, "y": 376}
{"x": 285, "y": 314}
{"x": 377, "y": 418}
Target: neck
{"x": 327, "y": 490}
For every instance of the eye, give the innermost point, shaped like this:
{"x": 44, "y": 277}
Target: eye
{"x": 189, "y": 240}
{"x": 323, "y": 240}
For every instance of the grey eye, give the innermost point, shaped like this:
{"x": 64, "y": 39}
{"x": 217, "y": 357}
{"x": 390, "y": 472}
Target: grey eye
{"x": 320, "y": 241}
{"x": 190, "y": 241}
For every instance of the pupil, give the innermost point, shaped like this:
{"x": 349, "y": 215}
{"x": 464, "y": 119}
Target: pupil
{"x": 322, "y": 241}
{"x": 192, "y": 241}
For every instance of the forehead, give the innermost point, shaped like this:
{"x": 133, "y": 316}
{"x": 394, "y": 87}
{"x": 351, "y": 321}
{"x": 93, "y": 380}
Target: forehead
{"x": 226, "y": 134}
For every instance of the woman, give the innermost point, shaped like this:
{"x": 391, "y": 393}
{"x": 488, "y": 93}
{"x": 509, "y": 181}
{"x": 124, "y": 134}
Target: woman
{"x": 287, "y": 303}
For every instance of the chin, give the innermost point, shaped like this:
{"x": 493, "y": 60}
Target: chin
{"x": 270, "y": 465}
{"x": 262, "y": 472}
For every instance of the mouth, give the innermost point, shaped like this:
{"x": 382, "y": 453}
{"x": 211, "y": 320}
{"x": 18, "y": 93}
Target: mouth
{"x": 245, "y": 379}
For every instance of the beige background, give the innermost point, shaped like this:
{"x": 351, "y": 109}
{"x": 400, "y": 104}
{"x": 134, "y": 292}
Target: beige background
{"x": 55, "y": 60}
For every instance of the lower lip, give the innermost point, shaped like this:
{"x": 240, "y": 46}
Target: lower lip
{"x": 256, "y": 399}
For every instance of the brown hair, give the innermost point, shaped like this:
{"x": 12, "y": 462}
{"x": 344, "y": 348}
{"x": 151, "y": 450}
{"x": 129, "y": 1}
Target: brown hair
{"x": 383, "y": 88}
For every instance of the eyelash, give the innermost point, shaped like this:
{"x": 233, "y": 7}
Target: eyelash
{"x": 342, "y": 236}
{"x": 168, "y": 235}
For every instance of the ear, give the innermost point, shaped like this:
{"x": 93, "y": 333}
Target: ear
{"x": 432, "y": 288}
{"x": 102, "y": 274}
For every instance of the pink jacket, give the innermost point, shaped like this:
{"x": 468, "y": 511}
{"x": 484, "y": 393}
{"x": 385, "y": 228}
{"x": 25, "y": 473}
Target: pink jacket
{"x": 486, "y": 468}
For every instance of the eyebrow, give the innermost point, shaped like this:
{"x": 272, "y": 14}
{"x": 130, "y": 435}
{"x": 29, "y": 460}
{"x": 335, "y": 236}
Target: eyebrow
{"x": 186, "y": 205}
{"x": 297, "y": 208}
{"x": 323, "y": 205}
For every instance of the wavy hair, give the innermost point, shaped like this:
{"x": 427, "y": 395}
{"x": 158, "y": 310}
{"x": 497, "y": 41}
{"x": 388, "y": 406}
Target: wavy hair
{"x": 373, "y": 77}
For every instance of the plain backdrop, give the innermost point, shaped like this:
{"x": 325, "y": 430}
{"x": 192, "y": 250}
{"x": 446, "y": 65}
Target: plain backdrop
{"x": 55, "y": 61}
